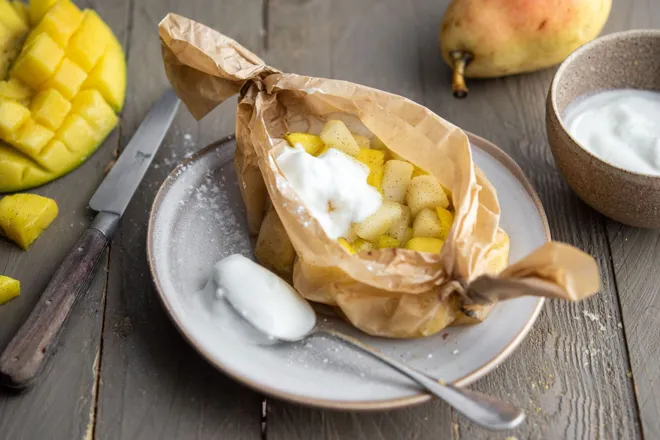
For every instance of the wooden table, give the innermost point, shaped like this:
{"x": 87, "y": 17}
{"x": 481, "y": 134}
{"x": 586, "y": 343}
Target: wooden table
{"x": 122, "y": 371}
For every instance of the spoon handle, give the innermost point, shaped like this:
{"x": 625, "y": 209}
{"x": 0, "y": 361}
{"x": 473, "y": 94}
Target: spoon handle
{"x": 484, "y": 410}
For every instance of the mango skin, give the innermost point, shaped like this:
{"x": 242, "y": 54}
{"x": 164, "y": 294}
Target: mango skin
{"x": 507, "y": 37}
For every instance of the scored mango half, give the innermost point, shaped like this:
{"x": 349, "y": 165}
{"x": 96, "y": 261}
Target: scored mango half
{"x": 62, "y": 83}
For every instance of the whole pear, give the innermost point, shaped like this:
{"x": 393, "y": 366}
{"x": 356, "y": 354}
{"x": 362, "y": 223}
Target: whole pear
{"x": 491, "y": 38}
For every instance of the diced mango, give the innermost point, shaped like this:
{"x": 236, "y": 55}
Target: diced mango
{"x": 38, "y": 9}
{"x": 346, "y": 245}
{"x": 385, "y": 241}
{"x": 38, "y": 62}
{"x": 425, "y": 244}
{"x": 9, "y": 289}
{"x": 15, "y": 90}
{"x": 22, "y": 10}
{"x": 77, "y": 134}
{"x": 310, "y": 142}
{"x": 90, "y": 41}
{"x": 12, "y": 116}
{"x": 49, "y": 108}
{"x": 31, "y": 138}
{"x": 446, "y": 218}
{"x": 60, "y": 22}
{"x": 68, "y": 79}
{"x": 12, "y": 166}
{"x": 56, "y": 157}
{"x": 375, "y": 178}
{"x": 109, "y": 76}
{"x": 361, "y": 245}
{"x": 372, "y": 158}
{"x": 90, "y": 105}
{"x": 362, "y": 141}
{"x": 23, "y": 217}
{"x": 11, "y": 19}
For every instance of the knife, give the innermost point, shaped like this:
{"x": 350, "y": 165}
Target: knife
{"x": 27, "y": 352}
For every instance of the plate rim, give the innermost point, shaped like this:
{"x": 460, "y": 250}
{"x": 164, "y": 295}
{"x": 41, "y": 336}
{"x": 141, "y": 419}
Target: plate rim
{"x": 353, "y": 405}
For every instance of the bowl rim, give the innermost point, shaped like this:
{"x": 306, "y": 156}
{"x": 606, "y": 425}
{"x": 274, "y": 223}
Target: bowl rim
{"x": 395, "y": 403}
{"x": 554, "y": 85}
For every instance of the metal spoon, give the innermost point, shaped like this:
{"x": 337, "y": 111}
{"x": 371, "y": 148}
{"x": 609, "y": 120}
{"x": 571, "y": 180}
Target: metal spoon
{"x": 484, "y": 410}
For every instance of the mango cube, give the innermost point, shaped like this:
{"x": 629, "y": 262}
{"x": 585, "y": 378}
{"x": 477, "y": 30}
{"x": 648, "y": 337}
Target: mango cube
{"x": 49, "y": 108}
{"x": 310, "y": 142}
{"x": 11, "y": 19}
{"x": 371, "y": 158}
{"x": 446, "y": 218}
{"x": 31, "y": 138}
{"x": 38, "y": 9}
{"x": 60, "y": 22}
{"x": 89, "y": 42}
{"x": 77, "y": 134}
{"x": 425, "y": 244}
{"x": 346, "y": 245}
{"x": 12, "y": 116}
{"x": 90, "y": 105}
{"x": 23, "y": 217}
{"x": 9, "y": 289}
{"x": 109, "y": 76}
{"x": 15, "y": 90}
{"x": 22, "y": 10}
{"x": 56, "y": 157}
{"x": 385, "y": 241}
{"x": 38, "y": 61}
{"x": 68, "y": 79}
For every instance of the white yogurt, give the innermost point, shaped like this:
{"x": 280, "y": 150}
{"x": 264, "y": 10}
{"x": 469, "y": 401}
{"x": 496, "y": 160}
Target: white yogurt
{"x": 332, "y": 186}
{"x": 262, "y": 298}
{"x": 621, "y": 127}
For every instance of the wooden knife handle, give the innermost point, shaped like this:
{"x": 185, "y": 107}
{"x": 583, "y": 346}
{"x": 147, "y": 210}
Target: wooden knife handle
{"x": 24, "y": 357}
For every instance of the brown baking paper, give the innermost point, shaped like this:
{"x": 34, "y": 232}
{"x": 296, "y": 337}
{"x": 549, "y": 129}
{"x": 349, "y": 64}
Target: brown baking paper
{"x": 387, "y": 292}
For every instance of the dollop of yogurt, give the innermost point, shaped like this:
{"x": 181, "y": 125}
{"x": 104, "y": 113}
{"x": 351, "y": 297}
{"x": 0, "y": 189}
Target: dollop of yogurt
{"x": 333, "y": 187}
{"x": 262, "y": 298}
{"x": 621, "y": 127}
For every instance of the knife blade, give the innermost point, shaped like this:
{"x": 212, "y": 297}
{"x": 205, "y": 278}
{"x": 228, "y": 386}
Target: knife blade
{"x": 28, "y": 351}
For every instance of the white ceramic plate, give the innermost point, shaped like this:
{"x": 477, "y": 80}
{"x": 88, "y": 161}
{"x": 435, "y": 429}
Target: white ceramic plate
{"x": 198, "y": 218}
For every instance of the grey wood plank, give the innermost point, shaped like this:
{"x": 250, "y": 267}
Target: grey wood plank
{"x": 153, "y": 384}
{"x": 634, "y": 256}
{"x": 60, "y": 405}
{"x": 570, "y": 373}
{"x": 373, "y": 43}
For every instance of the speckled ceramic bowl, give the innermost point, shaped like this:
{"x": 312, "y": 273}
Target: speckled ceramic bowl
{"x": 623, "y": 60}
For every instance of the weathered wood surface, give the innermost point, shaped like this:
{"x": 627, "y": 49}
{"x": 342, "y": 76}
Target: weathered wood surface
{"x": 586, "y": 370}
{"x": 61, "y": 405}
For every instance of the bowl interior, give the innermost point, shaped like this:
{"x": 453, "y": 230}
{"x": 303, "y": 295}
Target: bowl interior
{"x": 622, "y": 60}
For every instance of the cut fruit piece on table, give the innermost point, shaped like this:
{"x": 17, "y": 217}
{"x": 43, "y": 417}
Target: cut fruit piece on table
{"x": 23, "y": 217}
{"x": 9, "y": 289}
{"x": 70, "y": 76}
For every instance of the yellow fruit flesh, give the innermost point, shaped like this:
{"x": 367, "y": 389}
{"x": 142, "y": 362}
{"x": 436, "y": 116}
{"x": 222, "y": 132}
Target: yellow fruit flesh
{"x": 9, "y": 289}
{"x": 311, "y": 143}
{"x": 71, "y": 78}
{"x": 425, "y": 244}
{"x": 23, "y": 217}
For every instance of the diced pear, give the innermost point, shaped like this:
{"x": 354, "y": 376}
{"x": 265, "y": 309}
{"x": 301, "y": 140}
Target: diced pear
{"x": 109, "y": 76}
{"x": 88, "y": 44}
{"x": 11, "y": 19}
{"x": 60, "y": 22}
{"x": 425, "y": 244}
{"x": 425, "y": 192}
{"x": 361, "y": 245}
{"x": 9, "y": 289}
{"x": 362, "y": 141}
{"x": 90, "y": 105}
{"x": 346, "y": 245}
{"x": 446, "y": 218}
{"x": 12, "y": 116}
{"x": 274, "y": 250}
{"x": 77, "y": 134}
{"x": 49, "y": 108}
{"x": 15, "y": 90}
{"x": 38, "y": 9}
{"x": 335, "y": 134}
{"x": 427, "y": 224}
{"x": 38, "y": 61}
{"x": 399, "y": 229}
{"x": 23, "y": 217}
{"x": 385, "y": 241}
{"x": 31, "y": 138}
{"x": 396, "y": 178}
{"x": 310, "y": 142}
{"x": 379, "y": 222}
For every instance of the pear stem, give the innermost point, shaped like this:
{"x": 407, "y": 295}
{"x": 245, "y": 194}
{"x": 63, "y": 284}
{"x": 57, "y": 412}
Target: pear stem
{"x": 460, "y": 59}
